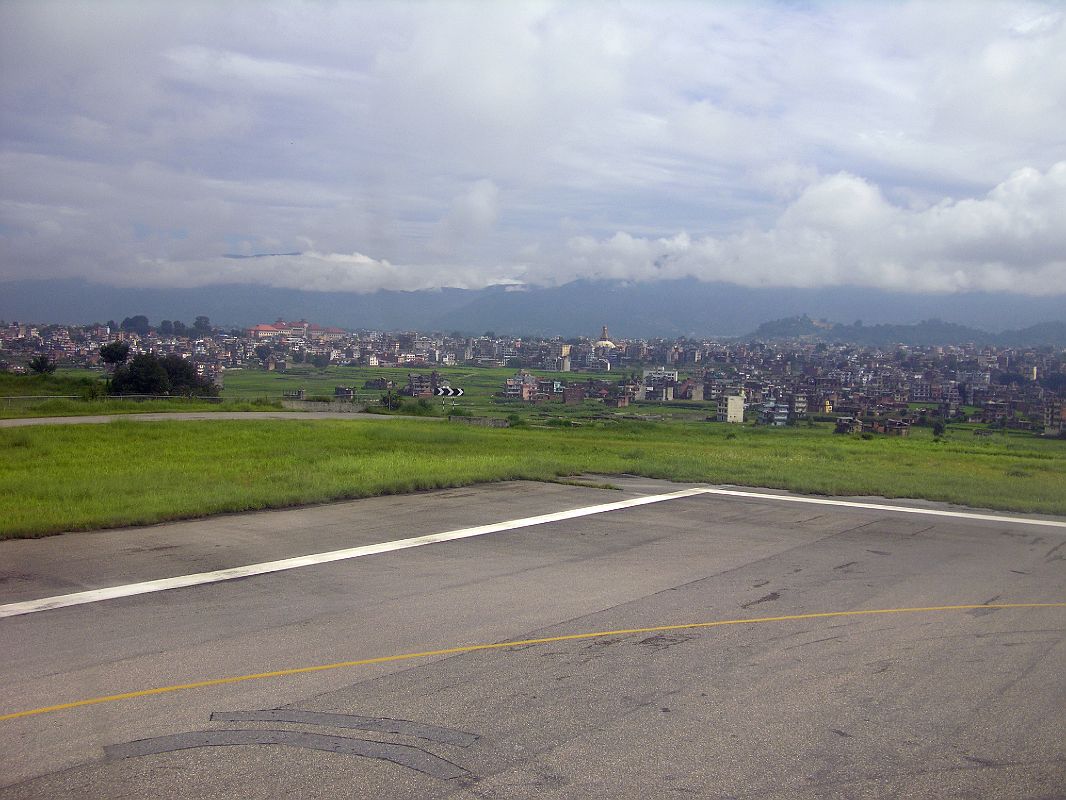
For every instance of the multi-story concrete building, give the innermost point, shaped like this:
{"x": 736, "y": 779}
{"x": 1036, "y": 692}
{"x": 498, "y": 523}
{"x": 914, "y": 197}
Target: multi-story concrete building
{"x": 523, "y": 386}
{"x": 730, "y": 408}
{"x": 1054, "y": 416}
{"x": 419, "y": 385}
{"x": 774, "y": 412}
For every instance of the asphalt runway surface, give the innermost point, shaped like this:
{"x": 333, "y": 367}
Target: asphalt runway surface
{"x": 702, "y": 645}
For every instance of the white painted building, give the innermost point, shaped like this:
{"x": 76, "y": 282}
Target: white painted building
{"x": 731, "y": 408}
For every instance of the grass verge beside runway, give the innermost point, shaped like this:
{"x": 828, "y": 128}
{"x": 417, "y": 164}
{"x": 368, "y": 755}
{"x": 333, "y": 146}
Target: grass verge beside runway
{"x": 55, "y": 478}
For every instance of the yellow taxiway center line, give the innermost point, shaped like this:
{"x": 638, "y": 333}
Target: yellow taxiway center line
{"x": 111, "y": 698}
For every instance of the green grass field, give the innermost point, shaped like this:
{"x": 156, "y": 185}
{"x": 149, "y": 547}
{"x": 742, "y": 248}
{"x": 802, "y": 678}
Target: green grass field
{"x": 62, "y": 382}
{"x": 479, "y": 386}
{"x": 55, "y": 478}
{"x": 83, "y": 408}
{"x": 255, "y": 389}
{"x": 477, "y": 383}
{"x": 74, "y": 393}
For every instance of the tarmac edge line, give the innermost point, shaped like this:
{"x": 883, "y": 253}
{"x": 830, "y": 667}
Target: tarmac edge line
{"x": 281, "y": 565}
{"x": 232, "y": 573}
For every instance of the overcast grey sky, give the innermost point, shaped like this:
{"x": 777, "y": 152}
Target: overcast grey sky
{"x": 915, "y": 146}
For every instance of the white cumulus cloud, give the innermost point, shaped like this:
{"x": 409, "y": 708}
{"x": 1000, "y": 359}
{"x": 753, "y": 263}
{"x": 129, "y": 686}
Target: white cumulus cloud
{"x": 842, "y": 230}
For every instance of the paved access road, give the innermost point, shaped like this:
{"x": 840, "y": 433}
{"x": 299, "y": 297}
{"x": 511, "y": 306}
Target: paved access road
{"x": 184, "y": 416}
{"x": 610, "y": 700}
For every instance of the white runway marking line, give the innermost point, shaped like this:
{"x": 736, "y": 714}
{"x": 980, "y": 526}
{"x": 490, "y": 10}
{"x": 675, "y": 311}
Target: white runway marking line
{"x": 880, "y": 507}
{"x": 147, "y": 587}
{"x": 163, "y": 584}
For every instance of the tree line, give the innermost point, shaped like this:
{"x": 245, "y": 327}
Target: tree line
{"x": 140, "y": 325}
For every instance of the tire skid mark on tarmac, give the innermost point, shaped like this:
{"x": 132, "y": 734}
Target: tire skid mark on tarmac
{"x": 403, "y": 754}
{"x": 403, "y": 727}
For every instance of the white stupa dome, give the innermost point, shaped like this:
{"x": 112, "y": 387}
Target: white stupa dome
{"x": 604, "y": 343}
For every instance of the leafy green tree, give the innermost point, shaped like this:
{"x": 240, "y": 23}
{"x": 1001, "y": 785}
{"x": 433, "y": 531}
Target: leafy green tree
{"x": 184, "y": 380}
{"x": 42, "y": 365}
{"x": 148, "y": 374}
{"x": 180, "y": 329}
{"x": 321, "y": 360}
{"x": 166, "y": 328}
{"x": 263, "y": 351}
{"x": 115, "y": 352}
{"x": 202, "y": 325}
{"x": 938, "y": 428}
{"x": 143, "y": 375}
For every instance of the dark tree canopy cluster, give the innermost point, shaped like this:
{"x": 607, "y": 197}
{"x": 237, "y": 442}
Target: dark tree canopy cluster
{"x": 141, "y": 326}
{"x": 172, "y": 375}
{"x": 42, "y": 365}
{"x": 115, "y": 352}
{"x": 138, "y": 324}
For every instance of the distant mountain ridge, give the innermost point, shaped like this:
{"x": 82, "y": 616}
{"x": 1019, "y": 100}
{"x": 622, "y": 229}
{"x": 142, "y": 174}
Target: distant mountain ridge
{"x": 927, "y": 333}
{"x": 670, "y": 309}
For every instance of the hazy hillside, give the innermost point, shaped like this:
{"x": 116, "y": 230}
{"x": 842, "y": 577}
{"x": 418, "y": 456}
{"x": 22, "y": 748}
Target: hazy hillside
{"x": 925, "y": 333}
{"x": 664, "y": 308}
